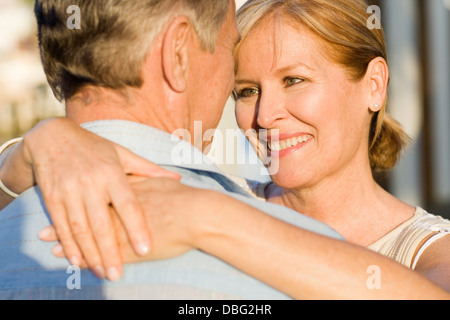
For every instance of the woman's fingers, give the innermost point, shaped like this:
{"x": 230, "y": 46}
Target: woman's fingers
{"x": 132, "y": 217}
{"x": 48, "y": 234}
{"x": 58, "y": 251}
{"x": 63, "y": 230}
{"x": 81, "y": 175}
{"x": 105, "y": 238}
{"x": 80, "y": 228}
{"x": 88, "y": 233}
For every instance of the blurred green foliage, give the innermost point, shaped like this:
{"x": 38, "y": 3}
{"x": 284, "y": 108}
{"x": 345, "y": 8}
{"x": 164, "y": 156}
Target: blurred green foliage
{"x": 28, "y": 2}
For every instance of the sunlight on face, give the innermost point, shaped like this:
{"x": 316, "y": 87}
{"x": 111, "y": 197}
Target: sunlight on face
{"x": 285, "y": 82}
{"x": 213, "y": 78}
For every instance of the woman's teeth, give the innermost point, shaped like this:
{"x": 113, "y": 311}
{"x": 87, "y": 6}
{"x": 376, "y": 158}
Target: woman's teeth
{"x": 288, "y": 143}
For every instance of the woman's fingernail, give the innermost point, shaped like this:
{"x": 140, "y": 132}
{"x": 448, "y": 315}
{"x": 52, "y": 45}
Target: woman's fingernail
{"x": 57, "y": 250}
{"x": 143, "y": 248}
{"x": 99, "y": 272}
{"x": 74, "y": 261}
{"x": 44, "y": 233}
{"x": 113, "y": 274}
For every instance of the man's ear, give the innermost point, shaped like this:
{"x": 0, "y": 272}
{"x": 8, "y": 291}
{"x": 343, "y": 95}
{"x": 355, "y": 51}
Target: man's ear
{"x": 378, "y": 79}
{"x": 175, "y": 53}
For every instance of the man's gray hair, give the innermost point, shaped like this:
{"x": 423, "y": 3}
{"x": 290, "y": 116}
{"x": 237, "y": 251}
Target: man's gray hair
{"x": 114, "y": 37}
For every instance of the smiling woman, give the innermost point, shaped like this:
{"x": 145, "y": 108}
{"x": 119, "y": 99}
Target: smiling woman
{"x": 318, "y": 85}
{"x": 347, "y": 42}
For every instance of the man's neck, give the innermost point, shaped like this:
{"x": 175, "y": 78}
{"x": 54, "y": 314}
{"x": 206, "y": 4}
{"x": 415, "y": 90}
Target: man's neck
{"x": 94, "y": 104}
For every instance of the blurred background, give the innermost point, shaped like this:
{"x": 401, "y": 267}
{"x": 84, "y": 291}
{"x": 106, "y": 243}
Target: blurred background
{"x": 418, "y": 35}
{"x": 25, "y": 97}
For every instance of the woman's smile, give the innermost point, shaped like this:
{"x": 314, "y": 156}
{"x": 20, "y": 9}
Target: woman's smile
{"x": 283, "y": 144}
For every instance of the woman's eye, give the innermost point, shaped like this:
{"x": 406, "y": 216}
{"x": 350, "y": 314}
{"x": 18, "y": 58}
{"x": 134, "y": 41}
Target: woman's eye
{"x": 292, "y": 81}
{"x": 246, "y": 93}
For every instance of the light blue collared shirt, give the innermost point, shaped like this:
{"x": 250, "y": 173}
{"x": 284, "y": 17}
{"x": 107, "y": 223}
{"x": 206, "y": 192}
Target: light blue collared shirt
{"x": 28, "y": 270}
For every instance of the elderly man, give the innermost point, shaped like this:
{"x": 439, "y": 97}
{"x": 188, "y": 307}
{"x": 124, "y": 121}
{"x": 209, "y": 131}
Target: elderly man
{"x": 135, "y": 72}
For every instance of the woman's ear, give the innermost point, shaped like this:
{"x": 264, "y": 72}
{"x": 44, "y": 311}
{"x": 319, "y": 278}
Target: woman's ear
{"x": 175, "y": 53}
{"x": 378, "y": 79}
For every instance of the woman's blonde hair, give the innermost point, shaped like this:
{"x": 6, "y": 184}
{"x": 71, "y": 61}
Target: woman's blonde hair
{"x": 342, "y": 25}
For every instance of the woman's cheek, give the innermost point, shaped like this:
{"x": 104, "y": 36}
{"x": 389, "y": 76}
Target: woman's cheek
{"x": 244, "y": 116}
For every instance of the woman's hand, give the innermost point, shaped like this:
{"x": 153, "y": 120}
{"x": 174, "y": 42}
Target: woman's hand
{"x": 174, "y": 213}
{"x": 81, "y": 176}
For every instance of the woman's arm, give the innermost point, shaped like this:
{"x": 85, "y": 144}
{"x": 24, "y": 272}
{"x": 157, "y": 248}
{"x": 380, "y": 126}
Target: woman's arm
{"x": 15, "y": 173}
{"x": 302, "y": 264}
{"x": 80, "y": 175}
{"x": 307, "y": 265}
{"x": 434, "y": 264}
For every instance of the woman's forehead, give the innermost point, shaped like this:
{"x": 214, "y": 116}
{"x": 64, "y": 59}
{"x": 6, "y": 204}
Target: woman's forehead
{"x": 281, "y": 43}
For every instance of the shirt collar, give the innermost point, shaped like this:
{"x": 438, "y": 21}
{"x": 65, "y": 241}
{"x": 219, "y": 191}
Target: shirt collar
{"x": 153, "y": 144}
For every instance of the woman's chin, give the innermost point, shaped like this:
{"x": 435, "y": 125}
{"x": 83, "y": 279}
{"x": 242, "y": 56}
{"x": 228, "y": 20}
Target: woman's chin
{"x": 287, "y": 179}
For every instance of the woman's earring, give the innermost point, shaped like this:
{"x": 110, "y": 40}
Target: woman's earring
{"x": 376, "y": 107}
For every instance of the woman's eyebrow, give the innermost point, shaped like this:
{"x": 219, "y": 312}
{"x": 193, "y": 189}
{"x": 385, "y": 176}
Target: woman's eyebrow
{"x": 292, "y": 67}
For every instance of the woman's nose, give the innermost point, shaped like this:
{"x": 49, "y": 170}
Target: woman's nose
{"x": 270, "y": 110}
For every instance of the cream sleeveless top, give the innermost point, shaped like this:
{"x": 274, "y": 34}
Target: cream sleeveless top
{"x": 405, "y": 244}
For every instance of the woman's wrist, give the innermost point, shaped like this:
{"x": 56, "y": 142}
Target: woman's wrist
{"x": 214, "y": 224}
{"x": 20, "y": 165}
{"x": 15, "y": 172}
{"x": 13, "y": 175}
{"x": 16, "y": 167}
{"x": 4, "y": 150}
